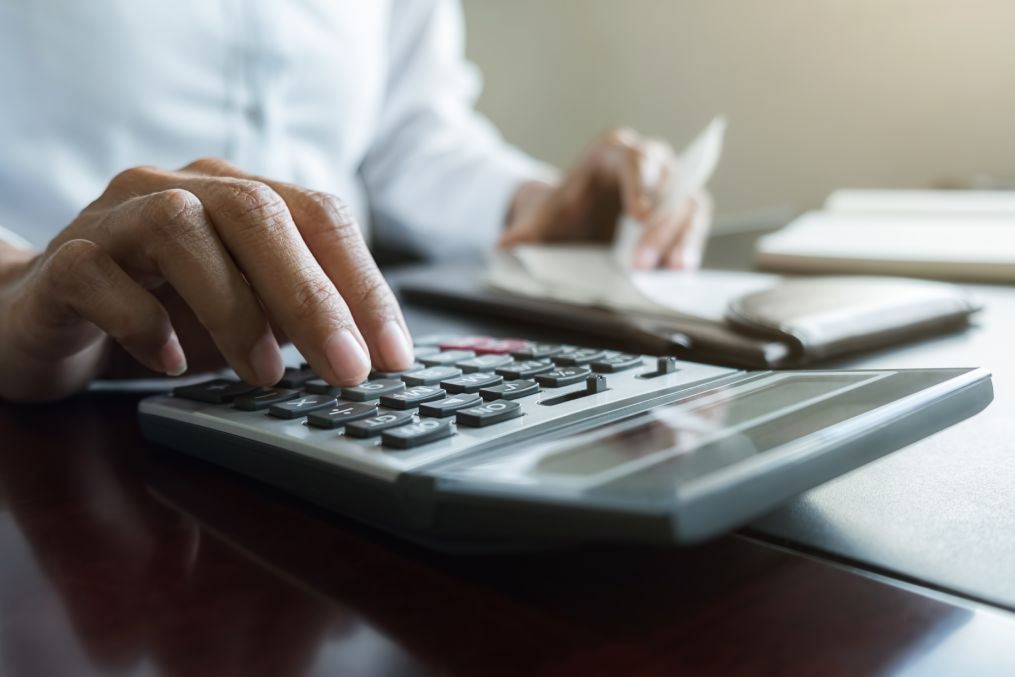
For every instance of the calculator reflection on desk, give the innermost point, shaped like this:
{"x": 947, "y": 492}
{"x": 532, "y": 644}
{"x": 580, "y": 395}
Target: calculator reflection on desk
{"x": 506, "y": 442}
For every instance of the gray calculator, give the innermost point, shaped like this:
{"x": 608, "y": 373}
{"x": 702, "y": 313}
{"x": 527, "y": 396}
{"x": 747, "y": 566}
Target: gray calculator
{"x": 511, "y": 443}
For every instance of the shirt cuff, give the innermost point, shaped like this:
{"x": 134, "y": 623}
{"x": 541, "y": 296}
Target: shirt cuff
{"x": 14, "y": 239}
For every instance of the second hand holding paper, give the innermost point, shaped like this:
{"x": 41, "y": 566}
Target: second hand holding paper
{"x": 603, "y": 276}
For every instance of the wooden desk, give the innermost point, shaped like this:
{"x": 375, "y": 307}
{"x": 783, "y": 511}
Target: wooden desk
{"x": 119, "y": 558}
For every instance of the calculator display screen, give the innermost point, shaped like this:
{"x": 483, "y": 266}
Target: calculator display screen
{"x": 708, "y": 431}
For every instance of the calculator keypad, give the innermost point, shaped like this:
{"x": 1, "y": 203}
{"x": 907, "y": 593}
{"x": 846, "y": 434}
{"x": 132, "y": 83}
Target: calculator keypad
{"x": 458, "y": 384}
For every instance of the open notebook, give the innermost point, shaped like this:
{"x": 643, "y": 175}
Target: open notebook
{"x": 959, "y": 235}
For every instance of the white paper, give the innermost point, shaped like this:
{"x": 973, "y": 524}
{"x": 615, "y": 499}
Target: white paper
{"x": 587, "y": 275}
{"x": 697, "y": 164}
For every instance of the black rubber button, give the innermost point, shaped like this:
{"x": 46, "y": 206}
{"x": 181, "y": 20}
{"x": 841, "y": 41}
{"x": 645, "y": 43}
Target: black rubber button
{"x": 417, "y": 434}
{"x": 341, "y": 413}
{"x": 489, "y": 413}
{"x": 216, "y": 391}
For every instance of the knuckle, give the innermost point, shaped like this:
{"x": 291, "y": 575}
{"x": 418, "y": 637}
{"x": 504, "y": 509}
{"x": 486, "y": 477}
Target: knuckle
{"x": 254, "y": 202}
{"x": 210, "y": 165}
{"x": 312, "y": 294}
{"x": 332, "y": 206}
{"x": 175, "y": 215}
{"x": 332, "y": 219}
{"x": 71, "y": 269}
{"x": 373, "y": 295}
{"x": 131, "y": 179}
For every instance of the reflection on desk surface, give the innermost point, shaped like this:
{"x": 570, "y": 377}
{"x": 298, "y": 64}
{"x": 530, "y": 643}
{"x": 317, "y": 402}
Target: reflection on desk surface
{"x": 121, "y": 562}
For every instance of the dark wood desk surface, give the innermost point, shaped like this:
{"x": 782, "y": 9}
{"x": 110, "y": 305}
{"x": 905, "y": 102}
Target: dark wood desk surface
{"x": 119, "y": 558}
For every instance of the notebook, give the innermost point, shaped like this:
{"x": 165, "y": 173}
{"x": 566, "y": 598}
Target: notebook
{"x": 958, "y": 235}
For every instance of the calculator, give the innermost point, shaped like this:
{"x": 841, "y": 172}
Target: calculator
{"x": 504, "y": 442}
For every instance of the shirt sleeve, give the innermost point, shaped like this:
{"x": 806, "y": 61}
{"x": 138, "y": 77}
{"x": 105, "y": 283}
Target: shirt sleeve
{"x": 438, "y": 175}
{"x": 13, "y": 238}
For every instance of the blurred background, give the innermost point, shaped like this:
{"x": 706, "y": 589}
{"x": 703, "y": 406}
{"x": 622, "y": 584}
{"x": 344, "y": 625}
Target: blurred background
{"x": 819, "y": 95}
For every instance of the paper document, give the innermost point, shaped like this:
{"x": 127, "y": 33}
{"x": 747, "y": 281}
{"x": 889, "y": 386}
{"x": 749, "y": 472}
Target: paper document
{"x": 697, "y": 164}
{"x": 588, "y": 276}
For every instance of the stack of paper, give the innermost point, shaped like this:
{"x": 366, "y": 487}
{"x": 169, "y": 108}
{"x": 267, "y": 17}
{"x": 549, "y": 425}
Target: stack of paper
{"x": 965, "y": 235}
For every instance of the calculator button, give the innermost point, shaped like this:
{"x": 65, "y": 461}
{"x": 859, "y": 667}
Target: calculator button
{"x": 216, "y": 391}
{"x": 300, "y": 406}
{"x": 499, "y": 346}
{"x": 371, "y": 390}
{"x": 510, "y": 390}
{"x": 318, "y": 386}
{"x": 462, "y": 342}
{"x": 538, "y": 351}
{"x": 579, "y": 356}
{"x": 563, "y": 376}
{"x": 423, "y": 351}
{"x": 524, "y": 369}
{"x": 433, "y": 340}
{"x": 415, "y": 366}
{"x": 412, "y": 397}
{"x": 449, "y": 405}
{"x": 446, "y": 358}
{"x": 470, "y": 383}
{"x": 295, "y": 378}
{"x": 489, "y": 413}
{"x": 614, "y": 363}
{"x": 263, "y": 398}
{"x": 375, "y": 425}
{"x": 341, "y": 413}
{"x": 484, "y": 363}
{"x": 416, "y": 434}
{"x": 430, "y": 376}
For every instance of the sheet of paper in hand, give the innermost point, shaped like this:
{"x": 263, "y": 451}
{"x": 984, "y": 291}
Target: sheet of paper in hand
{"x": 697, "y": 164}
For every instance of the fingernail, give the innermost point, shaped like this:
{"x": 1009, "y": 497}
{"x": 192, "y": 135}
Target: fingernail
{"x": 396, "y": 349}
{"x": 346, "y": 356}
{"x": 646, "y": 258}
{"x": 171, "y": 356}
{"x": 266, "y": 360}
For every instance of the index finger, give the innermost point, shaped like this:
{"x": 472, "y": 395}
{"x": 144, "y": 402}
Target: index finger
{"x": 336, "y": 241}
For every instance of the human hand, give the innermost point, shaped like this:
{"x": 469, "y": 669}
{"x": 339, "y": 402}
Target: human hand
{"x": 621, "y": 172}
{"x": 207, "y": 263}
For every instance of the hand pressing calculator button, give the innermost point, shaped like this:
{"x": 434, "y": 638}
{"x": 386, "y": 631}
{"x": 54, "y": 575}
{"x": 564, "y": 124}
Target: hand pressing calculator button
{"x": 470, "y": 383}
{"x": 448, "y": 406}
{"x": 563, "y": 376}
{"x": 410, "y": 398}
{"x": 371, "y": 390}
{"x": 341, "y": 413}
{"x": 416, "y": 434}
{"x": 375, "y": 425}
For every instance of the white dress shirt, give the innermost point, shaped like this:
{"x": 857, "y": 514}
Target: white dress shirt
{"x": 367, "y": 99}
